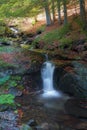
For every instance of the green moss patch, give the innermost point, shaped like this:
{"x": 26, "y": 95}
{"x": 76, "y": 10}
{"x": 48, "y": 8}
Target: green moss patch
{"x": 4, "y": 79}
{"x": 7, "y": 99}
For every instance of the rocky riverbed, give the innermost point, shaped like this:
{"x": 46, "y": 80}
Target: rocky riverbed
{"x": 20, "y": 76}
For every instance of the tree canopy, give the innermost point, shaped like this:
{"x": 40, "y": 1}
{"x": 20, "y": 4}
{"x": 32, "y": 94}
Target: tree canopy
{"x": 31, "y": 8}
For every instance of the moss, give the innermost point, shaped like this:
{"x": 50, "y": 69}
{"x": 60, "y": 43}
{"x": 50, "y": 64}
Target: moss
{"x": 4, "y": 79}
{"x": 13, "y": 81}
{"x": 51, "y": 37}
{"x": 7, "y": 99}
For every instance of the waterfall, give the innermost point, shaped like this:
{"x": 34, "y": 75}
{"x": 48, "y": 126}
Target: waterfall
{"x": 47, "y": 72}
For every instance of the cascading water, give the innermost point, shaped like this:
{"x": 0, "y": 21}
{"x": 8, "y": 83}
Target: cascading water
{"x": 47, "y": 72}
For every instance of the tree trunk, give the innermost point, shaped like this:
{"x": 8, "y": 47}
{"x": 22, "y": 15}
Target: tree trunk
{"x": 53, "y": 10}
{"x": 59, "y": 11}
{"x": 65, "y": 12}
{"x": 83, "y": 13}
{"x": 47, "y": 12}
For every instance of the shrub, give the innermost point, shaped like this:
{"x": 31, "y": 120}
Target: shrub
{"x": 7, "y": 99}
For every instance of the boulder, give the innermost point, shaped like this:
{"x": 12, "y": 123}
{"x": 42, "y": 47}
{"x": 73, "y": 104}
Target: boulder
{"x": 73, "y": 83}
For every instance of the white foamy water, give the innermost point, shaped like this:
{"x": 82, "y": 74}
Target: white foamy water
{"x": 47, "y": 72}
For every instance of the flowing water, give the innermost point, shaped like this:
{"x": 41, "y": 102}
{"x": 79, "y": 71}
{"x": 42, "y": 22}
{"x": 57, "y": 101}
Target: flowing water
{"x": 47, "y": 72}
{"x": 48, "y": 108}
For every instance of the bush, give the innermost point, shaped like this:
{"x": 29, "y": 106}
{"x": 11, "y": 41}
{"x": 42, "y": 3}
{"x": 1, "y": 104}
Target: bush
{"x": 7, "y": 99}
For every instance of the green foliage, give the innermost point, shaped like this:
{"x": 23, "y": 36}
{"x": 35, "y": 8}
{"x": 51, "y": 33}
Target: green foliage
{"x": 33, "y": 22}
{"x": 2, "y": 30}
{"x": 16, "y": 8}
{"x": 65, "y": 42}
{"x": 6, "y": 49}
{"x": 5, "y": 64}
{"x": 3, "y": 39}
{"x": 53, "y": 36}
{"x": 78, "y": 21}
{"x": 13, "y": 81}
{"x": 17, "y": 78}
{"x": 7, "y": 99}
{"x": 4, "y": 79}
{"x": 41, "y": 28}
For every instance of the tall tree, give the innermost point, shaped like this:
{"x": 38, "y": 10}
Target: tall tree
{"x": 65, "y": 11}
{"x": 59, "y": 11}
{"x": 83, "y": 13}
{"x": 53, "y": 10}
{"x": 47, "y": 12}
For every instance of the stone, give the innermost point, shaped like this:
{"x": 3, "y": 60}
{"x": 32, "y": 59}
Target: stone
{"x": 14, "y": 91}
{"x": 32, "y": 123}
{"x": 73, "y": 82}
{"x": 73, "y": 107}
{"x": 5, "y": 43}
{"x": 25, "y": 127}
{"x": 8, "y": 115}
{"x": 3, "y": 107}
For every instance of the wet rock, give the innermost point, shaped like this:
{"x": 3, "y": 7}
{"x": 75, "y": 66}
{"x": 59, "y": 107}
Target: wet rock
{"x": 73, "y": 107}
{"x": 81, "y": 76}
{"x": 14, "y": 91}
{"x": 73, "y": 82}
{"x": 43, "y": 126}
{"x": 69, "y": 84}
{"x": 25, "y": 127}
{"x": 8, "y": 115}
{"x": 28, "y": 41}
{"x": 32, "y": 123}
{"x": 8, "y": 125}
{"x": 5, "y": 43}
{"x": 3, "y": 107}
{"x": 47, "y": 126}
{"x": 82, "y": 126}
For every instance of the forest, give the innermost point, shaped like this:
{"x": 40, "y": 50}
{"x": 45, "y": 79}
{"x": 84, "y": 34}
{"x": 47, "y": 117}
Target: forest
{"x": 43, "y": 65}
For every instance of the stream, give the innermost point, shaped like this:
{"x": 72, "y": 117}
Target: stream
{"x": 48, "y": 94}
{"x": 47, "y": 107}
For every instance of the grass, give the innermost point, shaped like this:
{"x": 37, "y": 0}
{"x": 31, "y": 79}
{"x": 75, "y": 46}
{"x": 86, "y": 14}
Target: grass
{"x": 54, "y": 36}
{"x": 65, "y": 42}
{"x": 41, "y": 28}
